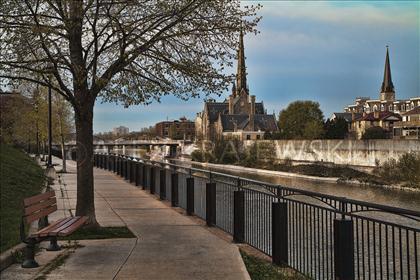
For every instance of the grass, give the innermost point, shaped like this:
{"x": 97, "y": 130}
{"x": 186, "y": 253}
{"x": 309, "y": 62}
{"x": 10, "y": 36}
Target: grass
{"x": 100, "y": 233}
{"x": 20, "y": 177}
{"x": 260, "y": 269}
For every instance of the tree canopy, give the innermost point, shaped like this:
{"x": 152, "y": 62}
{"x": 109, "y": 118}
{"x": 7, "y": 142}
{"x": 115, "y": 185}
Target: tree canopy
{"x": 125, "y": 51}
{"x": 301, "y": 120}
{"x": 336, "y": 129}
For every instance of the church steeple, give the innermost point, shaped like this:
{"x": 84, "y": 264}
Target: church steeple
{"x": 241, "y": 72}
{"x": 387, "y": 88}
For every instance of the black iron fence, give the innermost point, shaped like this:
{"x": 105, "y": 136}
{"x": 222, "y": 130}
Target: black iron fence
{"x": 322, "y": 236}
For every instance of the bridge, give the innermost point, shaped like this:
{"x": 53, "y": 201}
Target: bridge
{"x": 109, "y": 146}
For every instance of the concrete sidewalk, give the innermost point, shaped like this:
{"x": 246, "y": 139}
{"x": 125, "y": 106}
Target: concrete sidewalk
{"x": 169, "y": 245}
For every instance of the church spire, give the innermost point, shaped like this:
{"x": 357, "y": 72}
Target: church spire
{"x": 387, "y": 88}
{"x": 387, "y": 85}
{"x": 241, "y": 72}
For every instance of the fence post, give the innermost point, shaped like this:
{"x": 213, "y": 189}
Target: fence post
{"x": 279, "y": 233}
{"x": 114, "y": 165}
{"x": 174, "y": 189}
{"x": 108, "y": 163}
{"x": 125, "y": 164}
{"x": 190, "y": 196}
{"x": 137, "y": 178}
{"x": 152, "y": 180}
{"x": 119, "y": 166}
{"x": 132, "y": 170}
{"x": 144, "y": 174}
{"x": 127, "y": 170}
{"x": 162, "y": 189}
{"x": 343, "y": 247}
{"x": 211, "y": 204}
{"x": 239, "y": 216}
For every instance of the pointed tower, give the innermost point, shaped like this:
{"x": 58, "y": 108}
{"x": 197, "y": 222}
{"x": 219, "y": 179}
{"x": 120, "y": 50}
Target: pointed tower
{"x": 387, "y": 88}
{"x": 241, "y": 72}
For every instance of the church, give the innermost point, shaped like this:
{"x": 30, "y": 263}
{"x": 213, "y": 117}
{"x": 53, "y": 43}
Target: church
{"x": 239, "y": 116}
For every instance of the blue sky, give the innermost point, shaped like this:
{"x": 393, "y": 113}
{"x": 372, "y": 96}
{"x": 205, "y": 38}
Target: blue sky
{"x": 329, "y": 52}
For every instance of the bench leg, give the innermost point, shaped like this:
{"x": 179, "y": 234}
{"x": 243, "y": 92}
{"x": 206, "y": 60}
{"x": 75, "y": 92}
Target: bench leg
{"x": 29, "y": 261}
{"x": 53, "y": 245}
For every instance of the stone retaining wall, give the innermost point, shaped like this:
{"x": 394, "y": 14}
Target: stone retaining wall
{"x": 346, "y": 152}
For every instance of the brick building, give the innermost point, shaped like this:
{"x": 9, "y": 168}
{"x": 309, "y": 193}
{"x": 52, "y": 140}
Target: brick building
{"x": 181, "y": 129}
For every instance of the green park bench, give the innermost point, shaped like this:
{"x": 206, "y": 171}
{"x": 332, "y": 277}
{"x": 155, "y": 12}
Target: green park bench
{"x": 38, "y": 207}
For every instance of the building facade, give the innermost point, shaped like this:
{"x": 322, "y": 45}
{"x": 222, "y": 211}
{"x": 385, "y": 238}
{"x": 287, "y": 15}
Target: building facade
{"x": 409, "y": 126}
{"x": 239, "y": 116}
{"x": 385, "y": 112}
{"x": 121, "y": 130}
{"x": 181, "y": 129}
{"x": 387, "y": 101}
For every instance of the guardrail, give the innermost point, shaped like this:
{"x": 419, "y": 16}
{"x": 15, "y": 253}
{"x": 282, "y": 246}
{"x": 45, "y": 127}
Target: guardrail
{"x": 321, "y": 236}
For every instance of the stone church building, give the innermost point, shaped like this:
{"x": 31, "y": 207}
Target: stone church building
{"x": 239, "y": 116}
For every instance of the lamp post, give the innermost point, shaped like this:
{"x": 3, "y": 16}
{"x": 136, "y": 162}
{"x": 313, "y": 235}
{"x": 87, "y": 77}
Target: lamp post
{"x": 50, "y": 171}
{"x": 49, "y": 163}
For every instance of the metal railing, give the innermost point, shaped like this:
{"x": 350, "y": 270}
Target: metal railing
{"x": 321, "y": 236}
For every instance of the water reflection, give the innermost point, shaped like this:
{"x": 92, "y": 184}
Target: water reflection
{"x": 391, "y": 197}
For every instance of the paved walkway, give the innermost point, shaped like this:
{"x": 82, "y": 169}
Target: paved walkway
{"x": 169, "y": 245}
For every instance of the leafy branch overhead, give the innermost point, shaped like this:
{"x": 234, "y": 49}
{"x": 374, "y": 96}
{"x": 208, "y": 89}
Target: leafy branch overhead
{"x": 124, "y": 51}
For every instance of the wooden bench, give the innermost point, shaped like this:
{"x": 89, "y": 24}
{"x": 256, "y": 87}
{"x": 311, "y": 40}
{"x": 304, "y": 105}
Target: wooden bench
{"x": 39, "y": 207}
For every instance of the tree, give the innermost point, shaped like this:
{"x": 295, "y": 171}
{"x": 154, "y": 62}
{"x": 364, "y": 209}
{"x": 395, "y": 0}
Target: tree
{"x": 301, "y": 120}
{"x": 374, "y": 132}
{"x": 336, "y": 129}
{"x": 62, "y": 123}
{"x": 125, "y": 51}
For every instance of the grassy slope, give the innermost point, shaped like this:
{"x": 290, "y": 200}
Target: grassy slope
{"x": 20, "y": 177}
{"x": 259, "y": 269}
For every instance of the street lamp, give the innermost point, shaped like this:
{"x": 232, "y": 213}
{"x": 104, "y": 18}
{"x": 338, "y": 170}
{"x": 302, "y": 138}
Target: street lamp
{"x": 50, "y": 171}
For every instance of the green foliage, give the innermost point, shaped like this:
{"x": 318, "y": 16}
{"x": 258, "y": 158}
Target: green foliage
{"x": 405, "y": 170}
{"x": 374, "y": 132}
{"x": 301, "y": 120}
{"x": 336, "y": 129}
{"x": 20, "y": 177}
{"x": 260, "y": 269}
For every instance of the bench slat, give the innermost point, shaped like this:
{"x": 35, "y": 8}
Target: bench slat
{"x": 69, "y": 230}
{"x": 44, "y": 212}
{"x": 44, "y": 231}
{"x": 56, "y": 230}
{"x": 37, "y": 198}
{"x": 38, "y": 206}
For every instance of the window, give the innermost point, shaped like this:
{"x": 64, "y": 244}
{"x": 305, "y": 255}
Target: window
{"x": 403, "y": 107}
{"x": 248, "y": 137}
{"x": 375, "y": 108}
{"x": 382, "y": 107}
{"x": 390, "y": 108}
{"x": 258, "y": 137}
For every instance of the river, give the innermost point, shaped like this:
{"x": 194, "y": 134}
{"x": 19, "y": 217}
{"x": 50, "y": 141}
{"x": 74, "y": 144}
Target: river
{"x": 387, "y": 196}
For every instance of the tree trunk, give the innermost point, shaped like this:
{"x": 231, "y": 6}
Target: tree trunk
{"x": 84, "y": 136}
{"x": 63, "y": 148}
{"x": 63, "y": 155}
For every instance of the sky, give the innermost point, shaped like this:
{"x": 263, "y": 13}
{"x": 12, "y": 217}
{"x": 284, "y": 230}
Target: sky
{"x": 328, "y": 52}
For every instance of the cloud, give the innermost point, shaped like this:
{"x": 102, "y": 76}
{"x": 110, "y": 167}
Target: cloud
{"x": 400, "y": 14}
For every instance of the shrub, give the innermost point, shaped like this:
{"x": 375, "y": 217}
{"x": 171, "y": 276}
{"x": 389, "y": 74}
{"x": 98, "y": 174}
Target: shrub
{"x": 197, "y": 155}
{"x": 374, "y": 132}
{"x": 405, "y": 170}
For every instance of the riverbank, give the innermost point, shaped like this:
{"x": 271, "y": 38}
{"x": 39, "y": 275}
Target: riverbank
{"x": 20, "y": 177}
{"x": 260, "y": 171}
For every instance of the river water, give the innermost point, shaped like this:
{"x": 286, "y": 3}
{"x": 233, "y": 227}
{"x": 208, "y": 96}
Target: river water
{"x": 387, "y": 196}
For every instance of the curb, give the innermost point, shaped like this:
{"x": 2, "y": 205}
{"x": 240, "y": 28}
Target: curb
{"x": 7, "y": 258}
